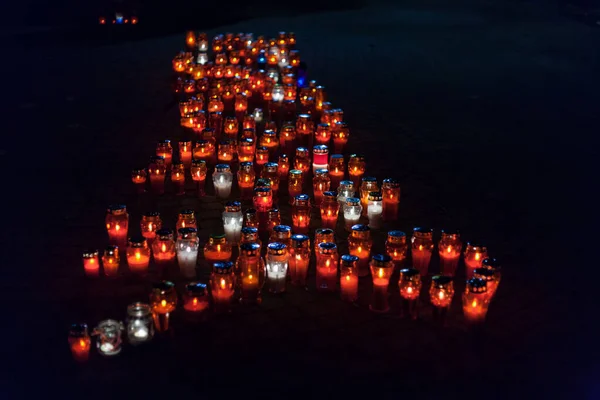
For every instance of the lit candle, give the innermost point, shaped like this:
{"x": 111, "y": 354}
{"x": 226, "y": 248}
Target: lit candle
{"x": 222, "y": 283}
{"x": 138, "y": 177}
{"x": 185, "y": 152}
{"x": 441, "y": 291}
{"x": 79, "y": 342}
{"x": 262, "y": 156}
{"x": 337, "y": 170}
{"x": 323, "y": 235}
{"x": 250, "y": 219}
{"x": 231, "y": 127}
{"x": 262, "y": 200}
{"x": 157, "y": 169}
{"x": 344, "y": 191}
{"x": 302, "y": 160}
{"x": 409, "y": 285}
{"x": 391, "y": 198}
{"x": 352, "y": 210}
{"x": 204, "y": 150}
{"x": 475, "y": 301}
{"x": 163, "y": 247}
{"x": 222, "y": 179}
{"x": 187, "y": 251}
{"x": 140, "y": 326}
{"x": 270, "y": 141}
{"x": 241, "y": 103}
{"x": 356, "y": 168}
{"x": 340, "y": 133}
{"x": 195, "y": 298}
{"x": 138, "y": 255}
{"x": 199, "y": 171}
{"x": 299, "y": 259}
{"x": 111, "y": 260}
{"x": 381, "y": 270}
{"x": 368, "y": 184}
{"x": 190, "y": 39}
{"x": 281, "y": 234}
{"x": 359, "y": 244}
{"x": 301, "y": 213}
{"x": 375, "y": 210}
{"x": 232, "y": 221}
{"x": 349, "y": 278}
{"x": 396, "y": 247}
{"x": 150, "y": 223}
{"x": 186, "y": 219}
{"x": 246, "y": 147}
{"x": 493, "y": 265}
{"x": 270, "y": 172}
{"x": 421, "y": 249}
{"x": 474, "y": 256}
{"x": 287, "y": 137}
{"x": 108, "y": 337}
{"x": 449, "y": 248}
{"x": 319, "y": 94}
{"x": 217, "y": 249}
{"x": 295, "y": 181}
{"x": 327, "y": 265}
{"x": 91, "y": 264}
{"x": 321, "y": 183}
{"x": 178, "y": 178}
{"x": 329, "y": 209}
{"x": 277, "y": 266}
{"x": 274, "y": 219}
{"x": 323, "y": 134}
{"x": 117, "y": 223}
{"x": 164, "y": 149}
{"x": 226, "y": 151}
{"x": 283, "y": 166}
{"x": 245, "y": 178}
{"x": 250, "y": 271}
{"x": 163, "y": 300}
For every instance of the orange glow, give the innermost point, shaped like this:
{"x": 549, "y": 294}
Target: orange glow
{"x": 327, "y": 263}
{"x": 117, "y": 227}
{"x": 195, "y": 301}
{"x": 102, "y": 21}
{"x": 91, "y": 260}
{"x": 82, "y": 343}
{"x": 347, "y": 277}
{"x": 163, "y": 248}
{"x": 137, "y": 255}
{"x": 134, "y": 20}
{"x": 441, "y": 295}
{"x": 223, "y": 283}
{"x": 218, "y": 247}
{"x": 163, "y": 303}
{"x": 420, "y": 247}
{"x": 449, "y": 249}
{"x": 409, "y": 290}
{"x": 477, "y": 256}
{"x": 474, "y": 303}
{"x": 107, "y": 226}
{"x": 380, "y": 272}
{"x": 150, "y": 226}
{"x": 183, "y": 224}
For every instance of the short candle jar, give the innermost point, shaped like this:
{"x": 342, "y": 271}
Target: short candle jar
{"x": 250, "y": 272}
{"x": 382, "y": 268}
{"x": 301, "y": 213}
{"x": 117, "y": 222}
{"x": 138, "y": 255}
{"x": 391, "y": 198}
{"x": 441, "y": 291}
{"x": 233, "y": 220}
{"x": 349, "y": 278}
{"x": 163, "y": 300}
{"x": 149, "y": 224}
{"x": 108, "y": 337}
{"x": 204, "y": 150}
{"x": 421, "y": 249}
{"x": 344, "y": 191}
{"x": 323, "y": 235}
{"x": 79, "y": 342}
{"x": 217, "y": 249}
{"x": 329, "y": 210}
{"x": 474, "y": 255}
{"x": 495, "y": 267}
{"x": 222, "y": 180}
{"x": 396, "y": 247}
{"x": 187, "y": 251}
{"x": 91, "y": 263}
{"x": 222, "y": 285}
{"x": 270, "y": 141}
{"x": 163, "y": 247}
{"x": 352, "y": 210}
{"x": 327, "y": 265}
{"x": 231, "y": 127}
{"x": 323, "y": 134}
{"x": 409, "y": 285}
{"x": 226, "y": 151}
{"x": 140, "y": 327}
{"x": 196, "y": 299}
{"x": 449, "y": 248}
{"x": 475, "y": 301}
{"x": 356, "y": 168}
{"x": 321, "y": 183}
{"x": 299, "y": 259}
{"x": 111, "y": 261}
{"x": 246, "y": 149}
{"x": 186, "y": 219}
{"x": 199, "y": 171}
{"x": 139, "y": 177}
{"x": 340, "y": 134}
{"x": 368, "y": 184}
{"x": 277, "y": 266}
{"x": 281, "y": 234}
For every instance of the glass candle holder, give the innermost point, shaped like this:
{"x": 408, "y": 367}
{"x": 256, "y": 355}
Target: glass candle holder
{"x": 217, "y": 249}
{"x": 281, "y": 234}
{"x": 323, "y": 235}
{"x": 231, "y": 127}
{"x": 302, "y": 160}
{"x": 299, "y": 259}
{"x": 163, "y": 300}
{"x": 185, "y": 152}
{"x": 91, "y": 263}
{"x": 337, "y": 115}
{"x": 474, "y": 255}
{"x": 359, "y": 244}
{"x": 277, "y": 94}
{"x": 186, "y": 219}
{"x": 149, "y": 224}
{"x": 489, "y": 278}
{"x": 179, "y": 64}
{"x": 263, "y": 201}
{"x": 187, "y": 251}
{"x": 382, "y": 268}
{"x": 246, "y": 149}
{"x": 396, "y": 247}
{"x": 449, "y": 248}
{"x": 249, "y": 133}
{"x": 475, "y": 301}
{"x": 352, "y": 211}
{"x": 276, "y": 266}
{"x": 163, "y": 247}
{"x": 441, "y": 291}
{"x": 241, "y": 103}
{"x": 270, "y": 172}
{"x": 196, "y": 299}
{"x": 140, "y": 326}
{"x": 323, "y": 134}
{"x": 270, "y": 141}
{"x": 233, "y": 220}
{"x": 225, "y": 151}
{"x": 215, "y": 104}
{"x": 262, "y": 156}
{"x": 327, "y": 265}
{"x": 111, "y": 261}
{"x": 138, "y": 177}
{"x": 321, "y": 155}
{"x": 368, "y": 184}
{"x": 289, "y": 91}
{"x": 222, "y": 180}
{"x": 250, "y": 235}
{"x": 349, "y": 278}
{"x": 329, "y": 210}
{"x": 375, "y": 210}
{"x": 320, "y": 98}
{"x": 108, "y": 337}
{"x": 321, "y": 184}
{"x": 158, "y": 170}
{"x": 344, "y": 191}
{"x": 340, "y": 134}
{"x": 204, "y": 150}
{"x": 164, "y": 149}
{"x": 391, "y": 198}
{"x": 495, "y": 267}
{"x": 190, "y": 39}
{"x": 283, "y": 169}
{"x": 138, "y": 255}
{"x": 421, "y": 249}
{"x": 199, "y": 171}
{"x": 274, "y": 219}
{"x": 409, "y": 285}
{"x": 117, "y": 223}
{"x": 295, "y": 181}
{"x": 250, "y": 219}
{"x": 245, "y": 178}
{"x": 287, "y": 136}
{"x": 79, "y": 342}
{"x": 257, "y": 116}
{"x": 337, "y": 170}
{"x": 301, "y": 213}
{"x": 356, "y": 168}
{"x": 250, "y": 272}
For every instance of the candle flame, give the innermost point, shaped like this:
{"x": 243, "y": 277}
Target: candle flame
{"x": 474, "y": 303}
{"x": 117, "y": 227}
{"x": 347, "y": 277}
{"x": 409, "y": 290}
{"x": 150, "y": 226}
{"x": 441, "y": 295}
{"x": 137, "y": 256}
{"x": 91, "y": 260}
{"x": 359, "y": 250}
{"x": 380, "y": 272}
{"x": 250, "y": 277}
{"x": 327, "y": 263}
{"x": 110, "y": 260}
{"x": 82, "y": 343}
{"x": 223, "y": 283}
{"x": 183, "y": 224}
{"x": 163, "y": 248}
{"x": 157, "y": 172}
{"x": 163, "y": 303}
{"x": 449, "y": 249}
{"x": 195, "y": 301}
{"x": 219, "y": 248}
{"x": 329, "y": 213}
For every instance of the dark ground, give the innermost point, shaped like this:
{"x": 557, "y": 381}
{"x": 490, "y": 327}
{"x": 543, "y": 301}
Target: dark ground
{"x": 487, "y": 114}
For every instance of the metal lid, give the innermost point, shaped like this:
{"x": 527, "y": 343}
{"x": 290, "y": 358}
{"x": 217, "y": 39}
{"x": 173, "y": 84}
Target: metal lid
{"x": 269, "y": 132}
{"x": 273, "y": 213}
{"x": 352, "y": 201}
{"x": 441, "y": 281}
{"x": 346, "y": 185}
{"x": 420, "y": 231}
{"x": 250, "y": 249}
{"x": 349, "y": 259}
{"x": 295, "y": 172}
{"x": 369, "y": 179}
{"x": 282, "y": 230}
{"x": 187, "y": 233}
{"x": 381, "y": 260}
{"x": 337, "y": 157}
{"x": 217, "y": 238}
{"x": 271, "y": 166}
{"x": 396, "y": 234}
{"x": 301, "y": 199}
{"x": 476, "y": 285}
{"x": 323, "y": 126}
{"x": 450, "y": 232}
{"x": 299, "y": 241}
{"x": 151, "y": 214}
{"x": 303, "y": 116}
{"x": 223, "y": 268}
{"x": 117, "y": 209}
{"x": 263, "y": 182}
{"x": 324, "y": 231}
{"x": 164, "y": 142}
{"x": 164, "y": 234}
{"x": 262, "y": 191}
{"x": 138, "y": 309}
{"x": 491, "y": 263}
{"x": 329, "y": 193}
{"x": 320, "y": 149}
{"x": 327, "y": 248}
{"x": 222, "y": 168}
{"x": 484, "y": 273}
{"x": 374, "y": 196}
{"x": 90, "y": 253}
{"x": 276, "y": 249}
{"x": 251, "y": 212}
{"x": 246, "y": 166}
{"x": 357, "y": 157}
{"x": 262, "y": 149}
{"x": 410, "y": 274}
{"x": 186, "y": 213}
{"x": 198, "y": 163}
{"x": 301, "y": 152}
{"x": 284, "y": 158}
{"x": 138, "y": 171}
{"x": 163, "y": 287}
{"x": 233, "y": 206}
{"x": 78, "y": 329}
{"x": 475, "y": 246}
{"x": 137, "y": 241}
{"x": 111, "y": 250}
{"x": 321, "y": 172}
{"x": 197, "y": 289}
{"x": 160, "y": 160}
{"x": 391, "y": 183}
{"x": 246, "y": 141}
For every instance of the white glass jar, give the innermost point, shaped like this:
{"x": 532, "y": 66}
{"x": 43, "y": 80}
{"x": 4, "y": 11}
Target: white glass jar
{"x": 375, "y": 210}
{"x": 233, "y": 220}
{"x": 187, "y": 251}
{"x": 222, "y": 179}
{"x": 276, "y": 266}
{"x": 352, "y": 211}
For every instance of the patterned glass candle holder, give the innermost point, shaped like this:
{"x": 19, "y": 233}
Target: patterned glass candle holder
{"x": 352, "y": 211}
{"x": 186, "y": 219}
{"x": 250, "y": 272}
{"x": 139, "y": 177}
{"x": 246, "y": 147}
{"x": 117, "y": 223}
{"x": 149, "y": 224}
{"x": 163, "y": 301}
{"x": 138, "y": 255}
{"x": 302, "y": 160}
{"x": 382, "y": 268}
{"x": 495, "y": 267}
{"x": 79, "y": 342}
{"x": 323, "y": 235}
{"x": 158, "y": 170}
{"x": 295, "y": 182}
{"x": 374, "y": 210}
{"x": 199, "y": 171}
{"x": 222, "y": 180}
{"x": 196, "y": 301}
{"x": 163, "y": 247}
{"x": 359, "y": 244}
{"x": 111, "y": 261}
{"x": 421, "y": 249}
{"x": 222, "y": 284}
{"x": 475, "y": 301}
{"x": 441, "y": 292}
{"x": 327, "y": 266}
{"x": 349, "y": 278}
{"x": 323, "y": 134}
{"x": 204, "y": 150}
{"x": 474, "y": 255}
{"x": 321, "y": 184}
{"x": 217, "y": 249}
{"x": 489, "y": 278}
{"x": 368, "y": 184}
{"x": 396, "y": 247}
{"x": 108, "y": 337}
{"x": 164, "y": 149}
{"x": 140, "y": 326}
{"x": 344, "y": 191}
{"x": 226, "y": 151}
{"x": 340, "y": 134}
{"x": 449, "y": 249}
{"x": 231, "y": 127}
{"x": 329, "y": 210}
{"x": 409, "y": 285}
{"x": 391, "y": 198}
{"x": 301, "y": 213}
{"x": 91, "y": 263}
{"x": 270, "y": 172}
{"x": 233, "y": 220}
{"x": 299, "y": 259}
{"x": 187, "y": 251}
{"x": 276, "y": 266}
{"x": 356, "y": 168}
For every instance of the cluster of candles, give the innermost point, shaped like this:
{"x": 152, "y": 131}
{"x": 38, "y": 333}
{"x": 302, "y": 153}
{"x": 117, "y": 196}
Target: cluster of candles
{"x": 258, "y": 145}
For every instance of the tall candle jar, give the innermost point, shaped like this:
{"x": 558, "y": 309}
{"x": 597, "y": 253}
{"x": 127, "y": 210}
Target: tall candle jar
{"x": 474, "y": 255}
{"x": 222, "y": 284}
{"x": 231, "y": 127}
{"x": 381, "y": 271}
{"x": 250, "y": 271}
{"x": 295, "y": 181}
{"x": 391, "y": 198}
{"x": 287, "y": 137}
{"x": 344, "y": 191}
{"x": 449, "y": 248}
{"x": 262, "y": 156}
{"x": 475, "y": 301}
{"x": 283, "y": 169}
{"x": 270, "y": 172}
{"x": 337, "y": 170}
{"x": 178, "y": 178}
{"x": 495, "y": 267}
{"x": 301, "y": 213}
{"x": 262, "y": 200}
{"x": 281, "y": 234}
{"x": 396, "y": 247}
{"x": 111, "y": 261}
{"x": 138, "y": 255}
{"x": 117, "y": 222}
{"x": 185, "y": 152}
{"x": 321, "y": 183}
{"x": 187, "y": 251}
{"x": 352, "y": 210}
{"x": 217, "y": 249}
{"x": 164, "y": 149}
{"x": 374, "y": 210}
{"x": 91, "y": 263}
{"x": 409, "y": 285}
{"x": 327, "y": 265}
{"x": 186, "y": 219}
{"x": 276, "y": 266}
{"x": 323, "y": 235}
{"x": 233, "y": 220}
{"x": 340, "y": 134}
{"x": 349, "y": 278}
{"x": 246, "y": 148}
{"x": 320, "y": 157}
{"x": 270, "y": 141}
{"x": 157, "y": 170}
{"x": 302, "y": 160}
{"x": 421, "y": 249}
{"x": 79, "y": 342}
{"x": 368, "y": 184}
{"x": 196, "y": 301}
{"x": 329, "y": 210}
{"x": 163, "y": 300}
{"x": 299, "y": 259}
{"x": 356, "y": 168}
{"x": 140, "y": 327}
{"x": 199, "y": 171}
{"x": 108, "y": 337}
{"x": 323, "y": 134}
{"x": 204, "y": 150}
{"x": 139, "y": 177}
{"x": 359, "y": 244}
{"x": 149, "y": 224}
{"x": 163, "y": 247}
{"x": 222, "y": 179}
